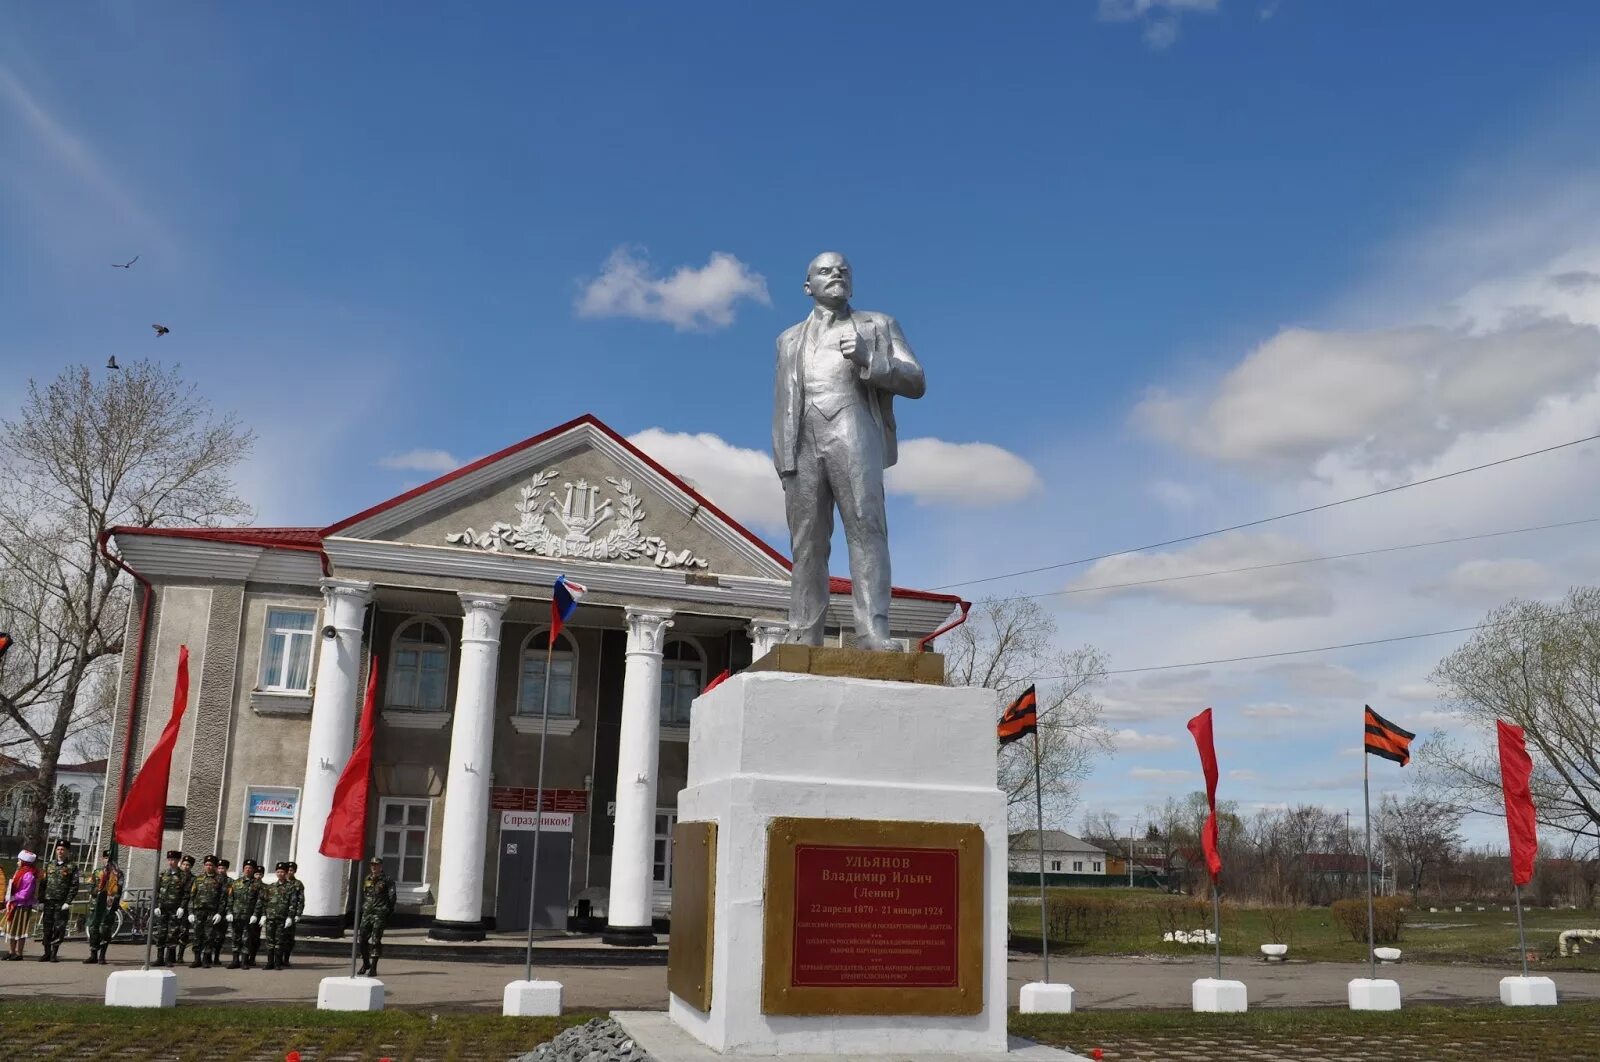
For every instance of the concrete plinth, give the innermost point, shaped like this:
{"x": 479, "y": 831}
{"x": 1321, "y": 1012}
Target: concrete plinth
{"x": 142, "y": 988}
{"x": 350, "y": 993}
{"x": 1211, "y": 996}
{"x": 532, "y": 999}
{"x": 1527, "y": 992}
{"x": 1369, "y": 994}
{"x": 1042, "y": 997}
{"x": 770, "y": 744}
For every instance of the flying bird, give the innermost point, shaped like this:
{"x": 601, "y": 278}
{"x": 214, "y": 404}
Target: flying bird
{"x": 161, "y": 330}
{"x": 125, "y": 265}
{"x": 111, "y": 362}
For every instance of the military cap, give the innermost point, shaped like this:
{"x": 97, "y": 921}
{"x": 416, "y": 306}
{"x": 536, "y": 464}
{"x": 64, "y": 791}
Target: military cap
{"x": 211, "y": 859}
{"x": 187, "y": 858}
{"x": 173, "y": 853}
{"x": 247, "y": 864}
{"x": 105, "y": 853}
{"x": 376, "y": 861}
{"x": 223, "y": 863}
{"x": 281, "y": 866}
{"x": 292, "y": 865}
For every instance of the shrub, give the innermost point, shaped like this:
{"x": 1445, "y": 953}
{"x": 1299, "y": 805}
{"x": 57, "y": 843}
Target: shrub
{"x": 1388, "y": 917}
{"x": 1183, "y": 915}
{"x": 1085, "y": 918}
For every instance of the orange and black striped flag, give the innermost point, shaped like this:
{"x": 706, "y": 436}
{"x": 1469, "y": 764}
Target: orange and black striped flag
{"x": 5, "y": 643}
{"x": 1020, "y": 719}
{"x": 1387, "y": 740}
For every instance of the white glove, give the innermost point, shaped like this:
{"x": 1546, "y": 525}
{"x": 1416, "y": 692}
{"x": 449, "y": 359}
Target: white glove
{"x": 66, "y": 905}
{"x": 217, "y": 918}
{"x": 157, "y": 912}
{"x": 254, "y": 920}
{"x": 230, "y": 916}
{"x": 287, "y": 922}
{"x": 191, "y": 920}
{"x": 179, "y": 913}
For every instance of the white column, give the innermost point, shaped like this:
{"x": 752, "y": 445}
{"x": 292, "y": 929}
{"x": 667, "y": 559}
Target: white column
{"x": 764, "y": 634}
{"x": 333, "y": 727}
{"x": 466, "y": 795}
{"x": 632, "y": 847}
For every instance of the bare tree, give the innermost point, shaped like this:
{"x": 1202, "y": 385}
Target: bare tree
{"x": 83, "y": 455}
{"x": 1007, "y": 644}
{"x": 1424, "y": 834}
{"x": 1536, "y": 665}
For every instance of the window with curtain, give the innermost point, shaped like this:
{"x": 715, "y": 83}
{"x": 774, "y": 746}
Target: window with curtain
{"x": 286, "y": 655}
{"x": 683, "y": 672}
{"x": 419, "y": 667}
{"x": 559, "y": 677}
{"x": 403, "y": 839}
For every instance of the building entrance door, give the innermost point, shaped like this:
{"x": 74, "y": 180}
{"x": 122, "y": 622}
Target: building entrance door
{"x": 516, "y": 871}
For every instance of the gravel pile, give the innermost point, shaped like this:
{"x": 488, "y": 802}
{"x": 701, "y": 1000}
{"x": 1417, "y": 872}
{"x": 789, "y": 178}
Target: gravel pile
{"x": 601, "y": 1040}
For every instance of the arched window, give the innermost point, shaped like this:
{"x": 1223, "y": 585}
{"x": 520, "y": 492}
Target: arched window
{"x": 419, "y": 667}
{"x": 563, "y": 666}
{"x": 683, "y": 676}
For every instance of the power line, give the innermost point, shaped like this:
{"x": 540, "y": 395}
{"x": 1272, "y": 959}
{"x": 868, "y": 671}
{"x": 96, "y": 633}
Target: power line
{"x": 1270, "y": 519}
{"x": 1312, "y": 560}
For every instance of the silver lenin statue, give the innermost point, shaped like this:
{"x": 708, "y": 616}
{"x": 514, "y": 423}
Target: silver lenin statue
{"x": 833, "y": 434}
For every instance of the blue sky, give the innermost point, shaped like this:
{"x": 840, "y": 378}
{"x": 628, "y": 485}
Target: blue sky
{"x": 1175, "y": 262}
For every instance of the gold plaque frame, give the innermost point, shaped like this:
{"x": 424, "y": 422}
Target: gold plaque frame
{"x": 779, "y": 995}
{"x": 694, "y": 903}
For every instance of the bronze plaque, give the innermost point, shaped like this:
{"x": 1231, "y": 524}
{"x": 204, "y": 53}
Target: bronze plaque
{"x": 694, "y": 894}
{"x": 867, "y": 916}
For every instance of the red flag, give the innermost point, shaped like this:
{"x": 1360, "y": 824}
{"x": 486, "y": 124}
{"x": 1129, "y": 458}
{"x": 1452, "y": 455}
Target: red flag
{"x": 1516, "y": 768}
{"x": 345, "y": 834}
{"x": 714, "y": 683}
{"x": 1200, "y": 727}
{"x": 139, "y": 821}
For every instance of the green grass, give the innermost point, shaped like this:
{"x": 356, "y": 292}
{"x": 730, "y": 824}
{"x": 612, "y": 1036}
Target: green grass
{"x": 1469, "y": 936}
{"x": 92, "y": 1031}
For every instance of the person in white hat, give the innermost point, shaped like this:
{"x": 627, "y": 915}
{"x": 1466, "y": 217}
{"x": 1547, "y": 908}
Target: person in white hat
{"x": 20, "y": 905}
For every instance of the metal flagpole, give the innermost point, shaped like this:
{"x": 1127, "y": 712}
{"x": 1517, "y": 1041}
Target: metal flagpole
{"x": 1522, "y": 937}
{"x": 1216, "y": 924}
{"x": 1038, "y": 806}
{"x": 355, "y": 934}
{"x": 538, "y": 810}
{"x": 1366, "y": 796}
{"x": 155, "y": 898}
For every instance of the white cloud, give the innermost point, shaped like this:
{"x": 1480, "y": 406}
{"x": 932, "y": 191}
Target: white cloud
{"x": 438, "y": 461}
{"x": 1487, "y": 582}
{"x": 1158, "y": 17}
{"x": 1165, "y": 695}
{"x": 1179, "y": 497}
{"x": 690, "y": 299}
{"x": 1243, "y": 774}
{"x": 972, "y": 474}
{"x": 1133, "y": 741}
{"x": 1162, "y": 774}
{"x": 1317, "y": 679}
{"x": 1421, "y": 692}
{"x": 1271, "y": 711}
{"x": 1265, "y": 594}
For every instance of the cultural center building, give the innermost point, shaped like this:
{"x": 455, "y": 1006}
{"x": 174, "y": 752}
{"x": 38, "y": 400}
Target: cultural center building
{"x": 444, "y": 594}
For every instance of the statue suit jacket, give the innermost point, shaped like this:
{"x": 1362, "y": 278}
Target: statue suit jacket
{"x": 892, "y": 369}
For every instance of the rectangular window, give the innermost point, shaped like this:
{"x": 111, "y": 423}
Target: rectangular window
{"x": 269, "y": 817}
{"x": 286, "y": 654}
{"x": 1077, "y": 866}
{"x": 530, "y": 697}
{"x": 1055, "y": 864}
{"x": 661, "y": 872}
{"x": 1097, "y": 869}
{"x": 403, "y": 839}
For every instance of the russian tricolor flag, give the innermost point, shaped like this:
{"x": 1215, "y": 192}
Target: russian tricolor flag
{"x": 563, "y": 603}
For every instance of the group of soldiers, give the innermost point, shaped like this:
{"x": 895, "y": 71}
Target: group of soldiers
{"x": 210, "y": 909}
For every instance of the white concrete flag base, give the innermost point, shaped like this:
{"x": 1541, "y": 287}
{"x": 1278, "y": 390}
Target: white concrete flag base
{"x": 142, "y": 988}
{"x": 768, "y": 744}
{"x": 350, "y": 993}
{"x": 666, "y": 1042}
{"x": 1527, "y": 992}
{"x": 1211, "y": 996}
{"x": 1369, "y": 994}
{"x": 1043, "y": 997}
{"x": 532, "y": 999}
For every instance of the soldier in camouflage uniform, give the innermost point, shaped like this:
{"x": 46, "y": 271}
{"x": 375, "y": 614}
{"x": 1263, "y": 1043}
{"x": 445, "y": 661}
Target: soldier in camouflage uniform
{"x": 58, "y": 886}
{"x": 172, "y": 892}
{"x": 275, "y": 900}
{"x": 220, "y": 937}
{"x": 377, "y": 904}
{"x": 297, "y": 904}
{"x": 243, "y": 899}
{"x": 185, "y": 927}
{"x": 258, "y": 876}
{"x": 105, "y": 896}
{"x": 205, "y": 912}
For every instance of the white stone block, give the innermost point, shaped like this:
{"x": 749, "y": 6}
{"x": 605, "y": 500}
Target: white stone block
{"x": 350, "y": 993}
{"x": 1369, "y": 994}
{"x": 1042, "y": 997}
{"x": 532, "y": 999}
{"x": 1212, "y": 996}
{"x": 142, "y": 988}
{"x": 1527, "y": 992}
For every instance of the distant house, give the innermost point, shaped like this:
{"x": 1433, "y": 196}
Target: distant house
{"x": 1063, "y": 853}
{"x": 75, "y": 811}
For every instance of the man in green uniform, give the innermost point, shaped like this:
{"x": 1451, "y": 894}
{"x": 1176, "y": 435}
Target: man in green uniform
{"x": 242, "y": 900}
{"x": 220, "y": 937}
{"x": 258, "y": 875}
{"x": 55, "y": 892}
{"x": 297, "y": 904}
{"x": 105, "y": 895}
{"x": 377, "y": 904}
{"x": 275, "y": 900}
{"x": 172, "y": 890}
{"x": 205, "y": 912}
{"x": 185, "y": 925}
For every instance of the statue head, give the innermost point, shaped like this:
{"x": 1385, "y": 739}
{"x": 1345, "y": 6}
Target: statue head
{"x": 828, "y": 279}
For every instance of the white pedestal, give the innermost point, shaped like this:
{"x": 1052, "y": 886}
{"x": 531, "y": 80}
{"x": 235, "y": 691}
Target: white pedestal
{"x": 1042, "y": 997}
{"x": 1211, "y": 996}
{"x": 1527, "y": 992}
{"x": 1369, "y": 994}
{"x": 769, "y": 744}
{"x": 350, "y": 993}
{"x": 532, "y": 999}
{"x": 142, "y": 988}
